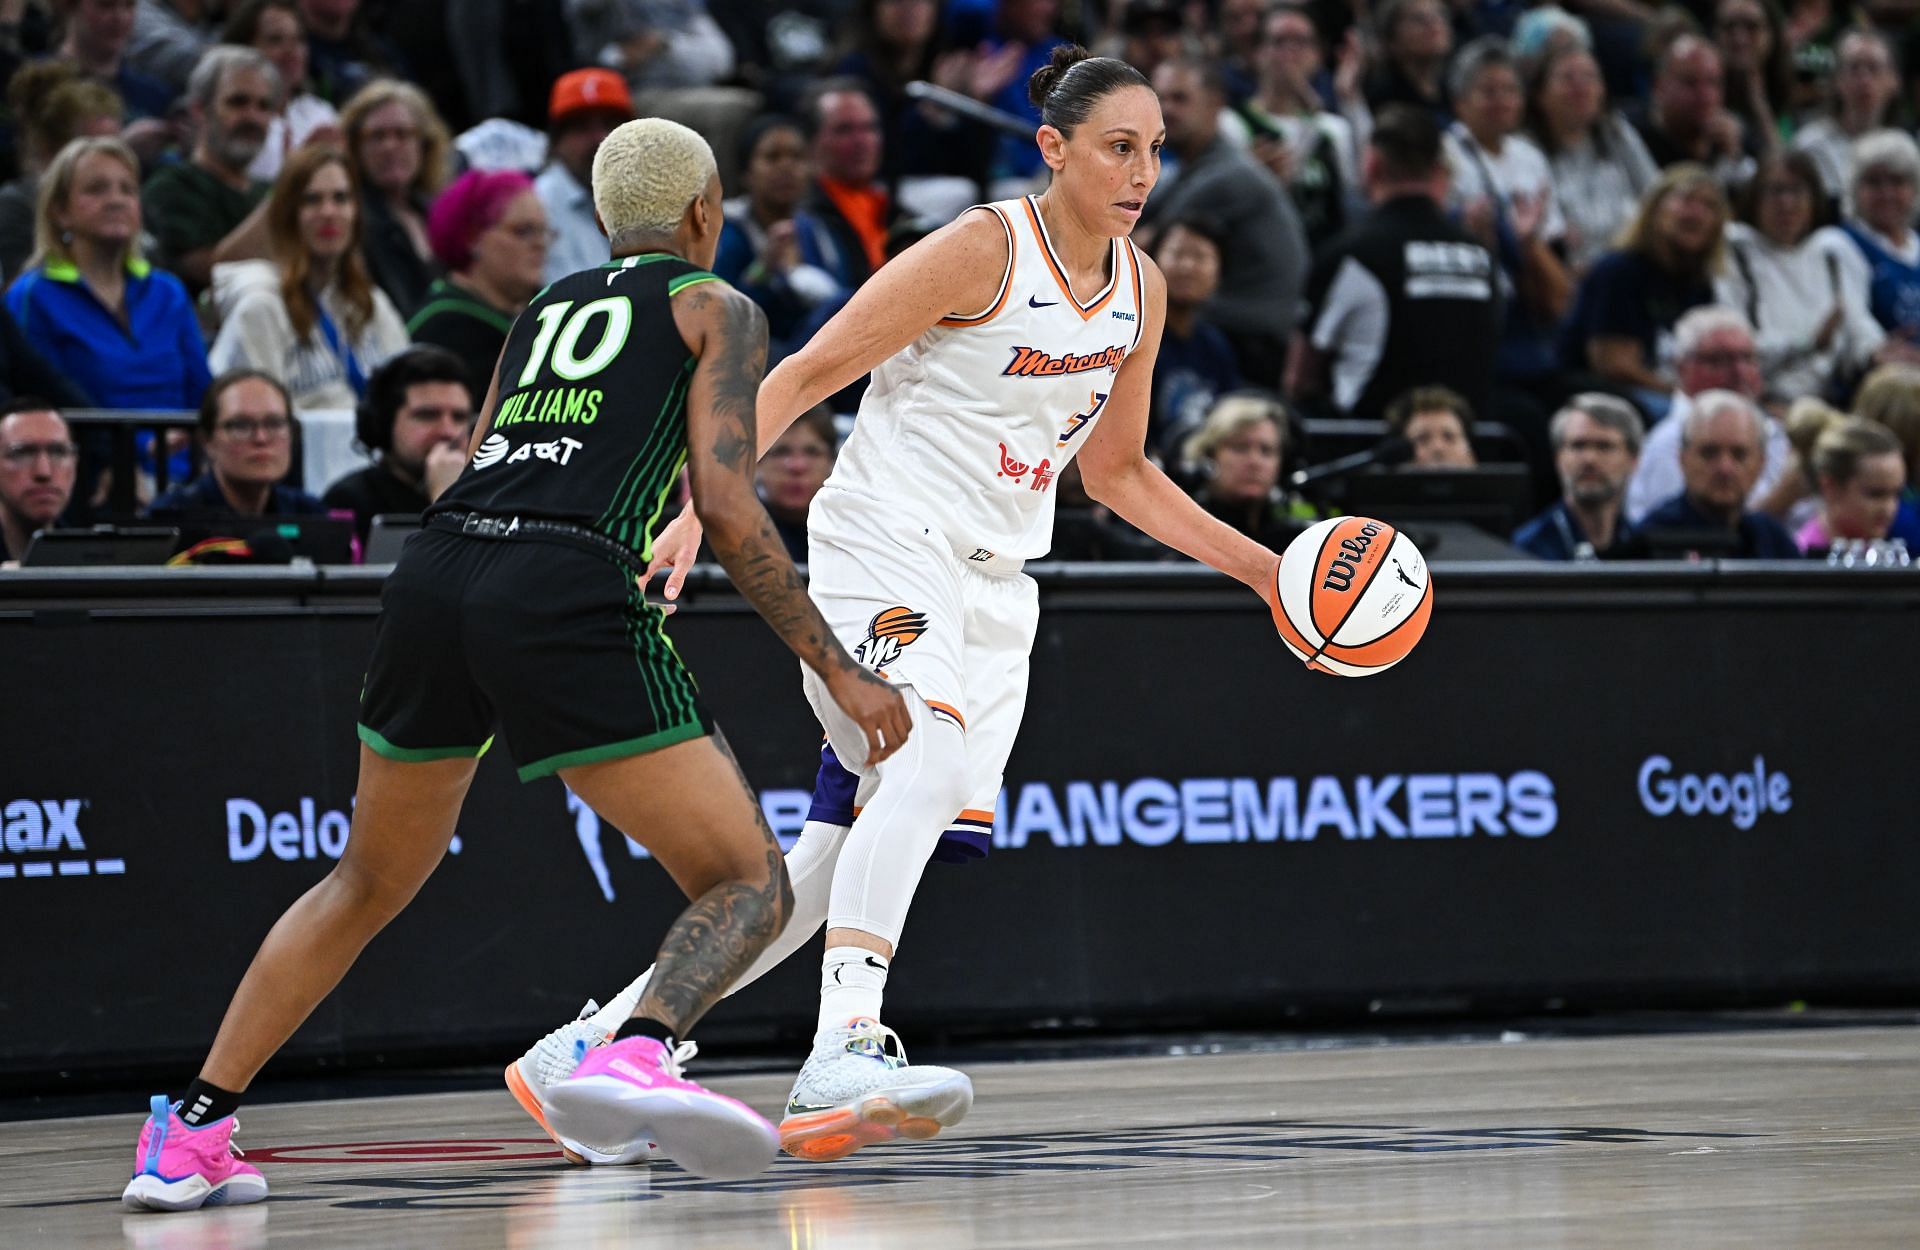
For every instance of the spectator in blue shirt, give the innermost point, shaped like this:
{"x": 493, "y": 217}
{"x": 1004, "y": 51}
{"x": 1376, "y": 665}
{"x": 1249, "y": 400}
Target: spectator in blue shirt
{"x": 1722, "y": 449}
{"x": 1596, "y": 442}
{"x": 1621, "y": 325}
{"x": 90, "y": 302}
{"x": 97, "y": 35}
{"x": 1196, "y": 362}
{"x": 246, "y": 432}
{"x": 766, "y": 233}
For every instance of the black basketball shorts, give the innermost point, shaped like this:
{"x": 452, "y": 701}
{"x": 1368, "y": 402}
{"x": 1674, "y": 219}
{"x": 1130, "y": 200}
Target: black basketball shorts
{"x": 549, "y": 644}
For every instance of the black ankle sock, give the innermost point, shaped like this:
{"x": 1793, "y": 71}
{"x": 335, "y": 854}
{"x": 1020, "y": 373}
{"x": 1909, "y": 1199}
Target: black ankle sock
{"x": 204, "y": 1103}
{"x": 643, "y": 1026}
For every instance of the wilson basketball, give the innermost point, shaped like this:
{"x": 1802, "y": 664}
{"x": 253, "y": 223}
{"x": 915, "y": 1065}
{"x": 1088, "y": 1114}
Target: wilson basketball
{"x": 1353, "y": 596}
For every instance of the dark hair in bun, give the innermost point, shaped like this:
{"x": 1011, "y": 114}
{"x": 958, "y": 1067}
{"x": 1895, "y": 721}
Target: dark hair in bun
{"x": 1067, "y": 88}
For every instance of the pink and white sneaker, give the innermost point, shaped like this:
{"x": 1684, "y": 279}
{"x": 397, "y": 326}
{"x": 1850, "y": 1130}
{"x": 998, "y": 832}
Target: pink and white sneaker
{"x": 177, "y": 1167}
{"x": 633, "y": 1089}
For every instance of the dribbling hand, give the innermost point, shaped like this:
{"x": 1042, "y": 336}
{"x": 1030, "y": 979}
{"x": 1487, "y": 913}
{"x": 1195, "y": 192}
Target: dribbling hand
{"x": 675, "y": 550}
{"x": 875, "y": 706}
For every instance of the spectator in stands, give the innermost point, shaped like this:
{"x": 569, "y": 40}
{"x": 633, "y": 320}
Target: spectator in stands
{"x": 1264, "y": 248}
{"x": 38, "y": 461}
{"x": 91, "y": 304}
{"x": 1856, "y": 467}
{"x": 1309, "y": 147}
{"x": 491, "y": 233}
{"x": 1152, "y": 33}
{"x": 1416, "y": 38}
{"x": 1722, "y": 448}
{"x": 1886, "y": 257}
{"x": 792, "y": 473}
{"x": 246, "y": 434}
{"x": 654, "y": 43}
{"x": 1686, "y": 118}
{"x": 1623, "y": 314}
{"x": 1235, "y": 458}
{"x": 1505, "y": 192}
{"x": 415, "y": 421}
{"x": 895, "y": 42}
{"x": 1600, "y": 165}
{"x": 1596, "y": 440}
{"x": 399, "y": 147}
{"x": 169, "y": 37}
{"x": 1758, "y": 88}
{"x": 207, "y": 208}
{"x": 847, "y": 199}
{"x": 1865, "y": 86}
{"x": 52, "y": 106}
{"x": 341, "y": 57}
{"x": 1235, "y": 41}
{"x": 1789, "y": 276}
{"x": 585, "y": 107}
{"x": 766, "y": 234}
{"x": 1891, "y": 397}
{"x": 273, "y": 28}
{"x": 1439, "y": 425}
{"x": 1196, "y": 362}
{"x": 1023, "y": 40}
{"x": 1405, "y": 298}
{"x": 1715, "y": 351}
{"x": 96, "y": 37}
{"x": 310, "y": 317}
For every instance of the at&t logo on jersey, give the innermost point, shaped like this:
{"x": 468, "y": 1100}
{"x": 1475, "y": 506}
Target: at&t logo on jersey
{"x": 889, "y": 632}
{"x": 494, "y": 450}
{"x": 1043, "y": 473}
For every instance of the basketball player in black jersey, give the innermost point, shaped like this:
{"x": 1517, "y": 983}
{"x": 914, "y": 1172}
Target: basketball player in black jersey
{"x": 516, "y": 611}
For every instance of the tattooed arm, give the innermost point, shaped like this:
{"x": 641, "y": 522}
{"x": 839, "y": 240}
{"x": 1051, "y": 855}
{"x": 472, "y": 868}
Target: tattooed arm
{"x": 728, "y": 336}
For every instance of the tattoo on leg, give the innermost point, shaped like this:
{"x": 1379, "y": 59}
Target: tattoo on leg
{"x": 719, "y": 936}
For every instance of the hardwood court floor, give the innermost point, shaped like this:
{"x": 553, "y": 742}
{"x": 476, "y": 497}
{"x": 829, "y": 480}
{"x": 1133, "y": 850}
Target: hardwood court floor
{"x": 1758, "y": 1139}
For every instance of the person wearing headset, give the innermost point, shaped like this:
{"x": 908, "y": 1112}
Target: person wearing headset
{"x": 415, "y": 420}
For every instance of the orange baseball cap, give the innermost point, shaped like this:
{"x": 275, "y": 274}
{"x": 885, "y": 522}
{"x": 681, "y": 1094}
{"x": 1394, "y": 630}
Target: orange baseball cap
{"x": 588, "y": 90}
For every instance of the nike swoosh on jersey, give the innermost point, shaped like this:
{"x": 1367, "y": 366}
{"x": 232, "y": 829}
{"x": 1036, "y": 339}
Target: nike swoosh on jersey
{"x": 1033, "y": 301}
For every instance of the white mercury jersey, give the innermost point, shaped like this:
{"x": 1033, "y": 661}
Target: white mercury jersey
{"x": 972, "y": 421}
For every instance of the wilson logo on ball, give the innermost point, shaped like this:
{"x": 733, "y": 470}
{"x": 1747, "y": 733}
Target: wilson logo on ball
{"x": 1347, "y": 558}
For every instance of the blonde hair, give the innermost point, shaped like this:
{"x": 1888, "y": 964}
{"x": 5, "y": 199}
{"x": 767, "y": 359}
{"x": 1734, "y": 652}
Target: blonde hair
{"x": 56, "y": 187}
{"x": 1832, "y": 444}
{"x": 1641, "y": 234}
{"x": 645, "y": 175}
{"x": 1891, "y": 396}
{"x": 435, "y": 142}
{"x": 1231, "y": 416}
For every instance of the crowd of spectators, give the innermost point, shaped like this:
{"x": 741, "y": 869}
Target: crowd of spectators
{"x": 1662, "y": 255}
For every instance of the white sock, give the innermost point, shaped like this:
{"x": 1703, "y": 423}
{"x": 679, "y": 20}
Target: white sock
{"x": 810, "y": 867}
{"x": 852, "y": 981}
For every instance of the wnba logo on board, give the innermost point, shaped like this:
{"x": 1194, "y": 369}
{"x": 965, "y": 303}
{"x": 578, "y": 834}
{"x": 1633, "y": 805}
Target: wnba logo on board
{"x": 890, "y": 630}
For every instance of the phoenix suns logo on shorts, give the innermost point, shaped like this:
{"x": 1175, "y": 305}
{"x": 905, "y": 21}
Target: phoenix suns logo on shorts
{"x": 890, "y": 630}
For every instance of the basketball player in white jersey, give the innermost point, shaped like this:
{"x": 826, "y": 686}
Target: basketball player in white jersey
{"x": 1001, "y": 347}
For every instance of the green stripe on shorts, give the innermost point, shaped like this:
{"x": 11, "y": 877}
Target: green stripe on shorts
{"x": 614, "y": 750}
{"x": 418, "y": 755}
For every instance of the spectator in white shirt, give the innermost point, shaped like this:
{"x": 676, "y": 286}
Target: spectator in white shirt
{"x": 1865, "y": 85}
{"x": 585, "y": 107}
{"x": 1789, "y": 274}
{"x": 1600, "y": 165}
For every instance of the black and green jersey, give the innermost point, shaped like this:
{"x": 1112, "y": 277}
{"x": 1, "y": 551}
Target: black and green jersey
{"x": 591, "y": 424}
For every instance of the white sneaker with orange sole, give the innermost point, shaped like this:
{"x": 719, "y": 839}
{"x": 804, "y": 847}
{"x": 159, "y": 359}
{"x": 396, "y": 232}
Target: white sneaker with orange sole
{"x": 553, "y": 1059}
{"x": 857, "y": 1089}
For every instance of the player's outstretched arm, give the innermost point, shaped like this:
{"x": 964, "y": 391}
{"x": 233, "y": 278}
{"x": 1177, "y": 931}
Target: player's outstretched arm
{"x": 1115, "y": 469}
{"x": 955, "y": 271}
{"x": 728, "y": 335}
